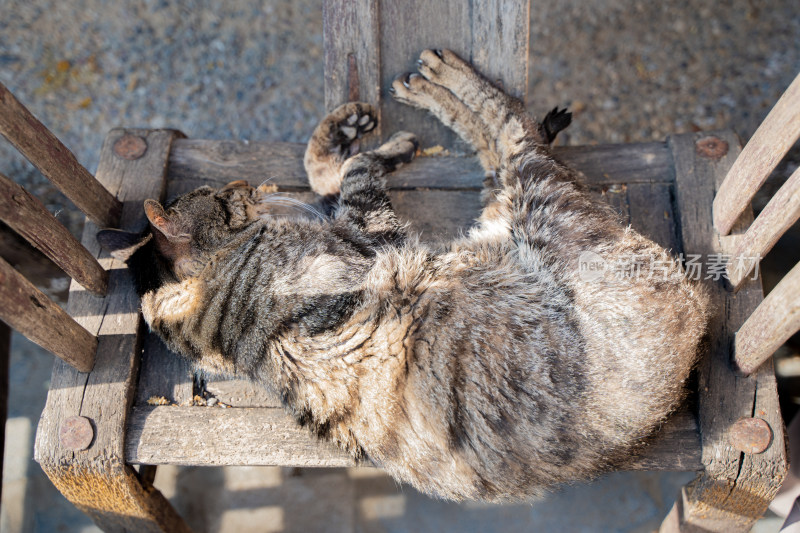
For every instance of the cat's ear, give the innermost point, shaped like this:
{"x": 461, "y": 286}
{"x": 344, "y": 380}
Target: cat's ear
{"x": 121, "y": 244}
{"x": 159, "y": 220}
{"x": 171, "y": 241}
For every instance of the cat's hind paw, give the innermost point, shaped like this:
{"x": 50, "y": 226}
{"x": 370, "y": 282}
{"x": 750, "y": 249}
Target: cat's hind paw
{"x": 348, "y": 123}
{"x": 334, "y": 140}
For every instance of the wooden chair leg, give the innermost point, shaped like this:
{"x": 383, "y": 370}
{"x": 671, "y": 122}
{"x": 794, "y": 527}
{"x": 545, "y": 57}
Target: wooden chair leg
{"x": 115, "y": 498}
{"x": 707, "y": 504}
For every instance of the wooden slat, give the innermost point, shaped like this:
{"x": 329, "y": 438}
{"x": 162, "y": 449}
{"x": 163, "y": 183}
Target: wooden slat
{"x": 605, "y": 164}
{"x": 26, "y": 309}
{"x": 778, "y": 215}
{"x": 241, "y": 393}
{"x": 675, "y": 447}
{"x": 163, "y": 374}
{"x": 775, "y": 320}
{"x": 256, "y": 436}
{"x": 30, "y": 218}
{"x": 734, "y": 489}
{"x": 97, "y": 480}
{"x": 617, "y": 197}
{"x": 500, "y": 41}
{"x": 55, "y": 161}
{"x": 437, "y": 215}
{"x": 407, "y": 28}
{"x": 37, "y": 268}
{"x": 218, "y": 162}
{"x": 652, "y": 213}
{"x": 268, "y": 436}
{"x": 351, "y": 33}
{"x": 766, "y": 148}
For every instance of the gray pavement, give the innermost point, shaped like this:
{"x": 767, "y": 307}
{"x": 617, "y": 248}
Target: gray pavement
{"x": 631, "y": 71}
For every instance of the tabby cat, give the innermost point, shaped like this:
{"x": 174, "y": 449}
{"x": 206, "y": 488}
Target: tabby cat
{"x": 490, "y": 368}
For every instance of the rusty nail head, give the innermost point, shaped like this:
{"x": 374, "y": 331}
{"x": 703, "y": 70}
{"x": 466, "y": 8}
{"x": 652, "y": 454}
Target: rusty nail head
{"x": 711, "y": 147}
{"x": 130, "y": 146}
{"x": 750, "y": 435}
{"x": 76, "y": 433}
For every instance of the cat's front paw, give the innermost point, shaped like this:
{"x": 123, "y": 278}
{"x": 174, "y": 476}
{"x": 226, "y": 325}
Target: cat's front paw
{"x": 443, "y": 67}
{"x": 333, "y": 141}
{"x": 412, "y": 89}
{"x": 400, "y": 148}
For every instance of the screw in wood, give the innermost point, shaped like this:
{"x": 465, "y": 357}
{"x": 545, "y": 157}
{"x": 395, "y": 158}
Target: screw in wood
{"x": 711, "y": 147}
{"x": 750, "y": 435}
{"x": 130, "y": 147}
{"x": 76, "y": 433}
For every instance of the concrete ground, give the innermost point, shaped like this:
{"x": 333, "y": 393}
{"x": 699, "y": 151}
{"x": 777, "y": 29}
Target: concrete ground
{"x": 631, "y": 71}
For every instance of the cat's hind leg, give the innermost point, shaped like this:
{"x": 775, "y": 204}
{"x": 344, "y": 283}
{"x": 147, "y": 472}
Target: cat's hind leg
{"x": 363, "y": 202}
{"x": 334, "y": 140}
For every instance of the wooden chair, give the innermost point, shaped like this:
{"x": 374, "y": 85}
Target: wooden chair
{"x": 139, "y": 404}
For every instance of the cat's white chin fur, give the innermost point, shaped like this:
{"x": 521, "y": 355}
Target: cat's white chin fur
{"x": 172, "y": 302}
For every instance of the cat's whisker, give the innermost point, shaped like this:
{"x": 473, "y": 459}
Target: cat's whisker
{"x": 266, "y": 181}
{"x": 288, "y": 201}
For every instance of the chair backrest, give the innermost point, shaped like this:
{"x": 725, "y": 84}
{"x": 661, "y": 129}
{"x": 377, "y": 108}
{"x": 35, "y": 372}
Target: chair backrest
{"x": 778, "y": 317}
{"x": 25, "y": 308}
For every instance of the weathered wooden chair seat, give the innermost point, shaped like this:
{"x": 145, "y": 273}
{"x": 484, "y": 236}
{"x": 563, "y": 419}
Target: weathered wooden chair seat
{"x": 440, "y": 196}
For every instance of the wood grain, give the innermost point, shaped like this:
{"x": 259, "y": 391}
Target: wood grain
{"x": 30, "y": 218}
{"x": 763, "y": 152}
{"x": 253, "y": 436}
{"x": 268, "y": 436}
{"x": 734, "y": 489}
{"x": 26, "y": 309}
{"x": 216, "y": 163}
{"x": 163, "y": 374}
{"x": 780, "y": 213}
{"x": 676, "y": 446}
{"x": 605, "y": 164}
{"x": 652, "y": 215}
{"x": 407, "y": 28}
{"x": 241, "y": 393}
{"x": 55, "y": 161}
{"x": 97, "y": 480}
{"x": 772, "y": 323}
{"x": 500, "y": 41}
{"x": 351, "y": 36}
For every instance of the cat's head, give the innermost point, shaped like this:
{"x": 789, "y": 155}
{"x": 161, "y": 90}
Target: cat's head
{"x": 182, "y": 237}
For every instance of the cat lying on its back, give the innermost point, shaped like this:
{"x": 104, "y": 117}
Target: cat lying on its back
{"x": 489, "y": 369}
